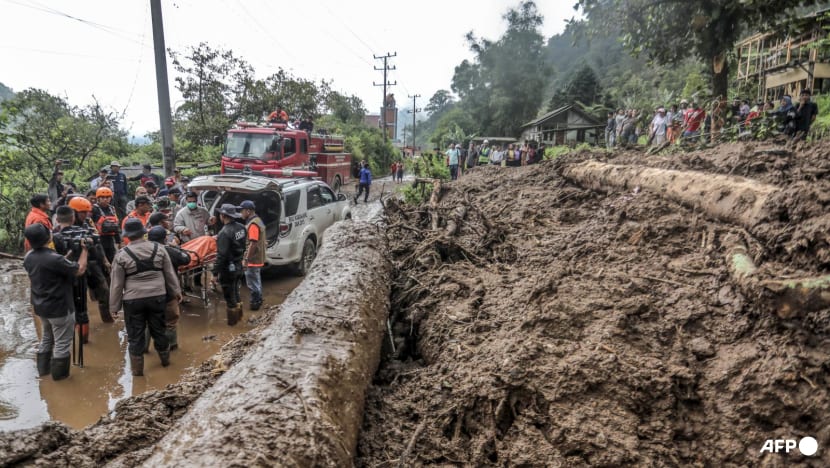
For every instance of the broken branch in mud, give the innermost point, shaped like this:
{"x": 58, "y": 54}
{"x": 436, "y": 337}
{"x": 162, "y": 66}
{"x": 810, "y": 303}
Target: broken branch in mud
{"x": 454, "y": 222}
{"x": 411, "y": 445}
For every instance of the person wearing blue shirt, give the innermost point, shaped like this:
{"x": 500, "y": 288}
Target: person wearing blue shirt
{"x": 365, "y": 176}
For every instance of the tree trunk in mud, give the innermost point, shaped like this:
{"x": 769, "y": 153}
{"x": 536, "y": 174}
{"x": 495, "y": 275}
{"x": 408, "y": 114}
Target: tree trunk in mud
{"x": 734, "y": 199}
{"x": 791, "y": 296}
{"x": 297, "y": 397}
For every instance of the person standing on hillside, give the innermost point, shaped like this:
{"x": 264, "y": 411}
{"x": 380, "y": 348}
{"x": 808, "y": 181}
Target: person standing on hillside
{"x": 453, "y": 154}
{"x": 610, "y": 131}
{"x": 254, "y": 259}
{"x": 694, "y": 119}
{"x": 805, "y": 115}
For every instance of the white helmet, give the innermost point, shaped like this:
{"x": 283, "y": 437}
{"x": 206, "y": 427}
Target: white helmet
{"x": 486, "y": 142}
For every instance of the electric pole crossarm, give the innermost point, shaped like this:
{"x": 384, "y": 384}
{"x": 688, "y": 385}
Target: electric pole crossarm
{"x": 385, "y": 68}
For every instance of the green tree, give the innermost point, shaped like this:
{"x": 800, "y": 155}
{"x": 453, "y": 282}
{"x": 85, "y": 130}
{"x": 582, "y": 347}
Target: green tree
{"x": 37, "y": 129}
{"x": 346, "y": 109}
{"x": 668, "y": 31}
{"x": 439, "y": 102}
{"x": 583, "y": 88}
{"x": 503, "y": 86}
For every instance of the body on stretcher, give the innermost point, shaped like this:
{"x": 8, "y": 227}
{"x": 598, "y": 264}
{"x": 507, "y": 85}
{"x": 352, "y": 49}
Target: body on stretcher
{"x": 202, "y": 251}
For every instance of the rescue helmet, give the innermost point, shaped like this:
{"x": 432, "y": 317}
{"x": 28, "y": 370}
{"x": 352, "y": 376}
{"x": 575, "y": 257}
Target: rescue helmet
{"x": 103, "y": 192}
{"x": 80, "y": 204}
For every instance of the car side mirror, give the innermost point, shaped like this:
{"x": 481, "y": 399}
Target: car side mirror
{"x": 341, "y": 197}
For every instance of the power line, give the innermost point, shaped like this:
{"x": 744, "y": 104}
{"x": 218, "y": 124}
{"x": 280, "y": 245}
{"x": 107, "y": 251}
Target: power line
{"x": 119, "y": 33}
{"x": 354, "y": 34}
{"x": 386, "y": 68}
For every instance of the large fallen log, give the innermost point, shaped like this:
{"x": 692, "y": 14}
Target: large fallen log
{"x": 297, "y": 397}
{"x": 733, "y": 199}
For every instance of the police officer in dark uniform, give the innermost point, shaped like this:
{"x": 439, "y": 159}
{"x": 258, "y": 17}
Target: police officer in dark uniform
{"x": 230, "y": 248}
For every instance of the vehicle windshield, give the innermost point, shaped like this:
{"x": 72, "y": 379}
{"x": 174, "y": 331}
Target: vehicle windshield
{"x": 248, "y": 145}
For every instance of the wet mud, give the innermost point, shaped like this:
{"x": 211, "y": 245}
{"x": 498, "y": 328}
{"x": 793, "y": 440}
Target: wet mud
{"x": 561, "y": 326}
{"x": 101, "y": 391}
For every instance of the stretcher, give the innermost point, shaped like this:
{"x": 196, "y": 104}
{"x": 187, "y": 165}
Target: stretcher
{"x": 202, "y": 251}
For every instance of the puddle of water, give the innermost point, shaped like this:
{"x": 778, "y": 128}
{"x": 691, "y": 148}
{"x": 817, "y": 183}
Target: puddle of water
{"x": 93, "y": 391}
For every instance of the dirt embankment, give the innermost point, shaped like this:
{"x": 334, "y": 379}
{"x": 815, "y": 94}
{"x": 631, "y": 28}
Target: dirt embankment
{"x": 565, "y": 327}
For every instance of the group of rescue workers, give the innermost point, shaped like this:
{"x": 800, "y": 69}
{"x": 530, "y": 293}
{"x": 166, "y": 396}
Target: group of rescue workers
{"x": 128, "y": 260}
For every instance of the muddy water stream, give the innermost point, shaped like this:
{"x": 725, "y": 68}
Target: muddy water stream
{"x": 93, "y": 390}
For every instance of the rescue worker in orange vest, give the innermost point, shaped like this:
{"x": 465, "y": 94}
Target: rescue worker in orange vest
{"x": 39, "y": 214}
{"x": 143, "y": 210}
{"x": 254, "y": 258}
{"x": 278, "y": 116}
{"x": 106, "y": 221}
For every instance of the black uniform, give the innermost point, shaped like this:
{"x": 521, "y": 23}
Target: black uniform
{"x": 106, "y": 220}
{"x": 230, "y": 248}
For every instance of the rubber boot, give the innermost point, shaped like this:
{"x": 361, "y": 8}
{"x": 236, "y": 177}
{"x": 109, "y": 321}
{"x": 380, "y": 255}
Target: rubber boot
{"x": 165, "y": 358}
{"x": 172, "y": 338}
{"x": 137, "y": 365}
{"x": 59, "y": 367}
{"x": 44, "y": 363}
{"x": 256, "y": 303}
{"x": 239, "y": 310}
{"x": 232, "y": 315}
{"x": 85, "y": 332}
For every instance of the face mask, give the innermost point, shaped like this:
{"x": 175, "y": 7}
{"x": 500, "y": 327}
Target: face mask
{"x": 191, "y": 205}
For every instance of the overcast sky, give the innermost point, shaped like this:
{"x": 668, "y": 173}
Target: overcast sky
{"x": 81, "y": 48}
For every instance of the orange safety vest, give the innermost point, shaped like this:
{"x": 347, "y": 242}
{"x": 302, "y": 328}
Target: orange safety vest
{"x": 144, "y": 219}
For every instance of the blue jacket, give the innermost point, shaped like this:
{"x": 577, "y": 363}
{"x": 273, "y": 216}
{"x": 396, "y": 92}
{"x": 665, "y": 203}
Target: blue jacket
{"x": 366, "y": 176}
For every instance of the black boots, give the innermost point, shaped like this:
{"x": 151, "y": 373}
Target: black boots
{"x": 172, "y": 338}
{"x": 234, "y": 314}
{"x": 137, "y": 365}
{"x": 165, "y": 357}
{"x": 255, "y": 305}
{"x": 43, "y": 363}
{"x": 59, "y": 368}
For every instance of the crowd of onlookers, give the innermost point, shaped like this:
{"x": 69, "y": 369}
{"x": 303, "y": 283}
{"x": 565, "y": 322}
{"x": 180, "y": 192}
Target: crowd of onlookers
{"x": 689, "y": 121}
{"x": 458, "y": 158}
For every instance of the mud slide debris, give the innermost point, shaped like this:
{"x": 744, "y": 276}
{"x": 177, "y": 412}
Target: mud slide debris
{"x": 559, "y": 326}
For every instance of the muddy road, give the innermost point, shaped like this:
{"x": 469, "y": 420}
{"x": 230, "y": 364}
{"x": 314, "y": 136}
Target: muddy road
{"x": 105, "y": 379}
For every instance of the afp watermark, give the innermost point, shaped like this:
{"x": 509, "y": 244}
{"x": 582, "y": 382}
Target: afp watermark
{"x": 807, "y": 446}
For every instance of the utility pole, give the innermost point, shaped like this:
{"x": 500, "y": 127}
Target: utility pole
{"x": 414, "y": 111}
{"x": 163, "y": 89}
{"x": 385, "y": 83}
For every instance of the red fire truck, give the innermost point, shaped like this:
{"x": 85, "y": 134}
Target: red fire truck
{"x": 275, "y": 149}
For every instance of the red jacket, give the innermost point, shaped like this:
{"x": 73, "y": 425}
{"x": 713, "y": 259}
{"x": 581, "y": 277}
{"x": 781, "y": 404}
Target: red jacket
{"x": 36, "y": 216}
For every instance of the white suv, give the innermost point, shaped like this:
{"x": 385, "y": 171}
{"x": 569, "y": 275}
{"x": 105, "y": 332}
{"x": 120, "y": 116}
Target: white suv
{"x": 296, "y": 212}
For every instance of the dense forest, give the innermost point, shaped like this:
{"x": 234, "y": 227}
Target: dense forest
{"x": 611, "y": 56}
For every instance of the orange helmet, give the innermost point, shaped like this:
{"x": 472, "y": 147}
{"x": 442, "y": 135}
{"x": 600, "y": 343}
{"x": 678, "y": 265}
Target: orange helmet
{"x": 80, "y": 204}
{"x": 103, "y": 192}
